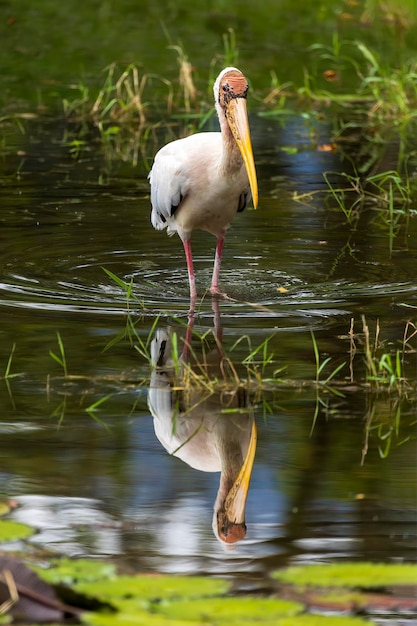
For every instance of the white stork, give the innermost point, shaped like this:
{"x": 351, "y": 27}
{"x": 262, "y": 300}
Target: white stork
{"x": 202, "y": 181}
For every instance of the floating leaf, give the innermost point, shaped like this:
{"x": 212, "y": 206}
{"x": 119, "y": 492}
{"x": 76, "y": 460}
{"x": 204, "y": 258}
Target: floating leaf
{"x": 147, "y": 619}
{"x": 130, "y": 617}
{"x": 363, "y": 575}
{"x": 12, "y": 531}
{"x": 234, "y": 611}
{"x": 320, "y": 620}
{"x": 148, "y": 589}
{"x": 4, "y": 508}
{"x": 69, "y": 571}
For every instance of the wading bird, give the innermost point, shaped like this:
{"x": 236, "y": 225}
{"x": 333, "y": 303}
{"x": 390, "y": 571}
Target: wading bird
{"x": 202, "y": 181}
{"x": 211, "y": 432}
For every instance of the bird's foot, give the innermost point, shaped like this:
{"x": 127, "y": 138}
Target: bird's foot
{"x": 216, "y": 293}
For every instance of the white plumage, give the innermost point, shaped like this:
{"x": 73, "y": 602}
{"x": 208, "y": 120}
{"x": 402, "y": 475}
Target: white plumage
{"x": 191, "y": 425}
{"x": 202, "y": 181}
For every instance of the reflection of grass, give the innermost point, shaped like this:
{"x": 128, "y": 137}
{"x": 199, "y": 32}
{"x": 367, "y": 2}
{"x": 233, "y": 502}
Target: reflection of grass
{"x": 324, "y": 383}
{"x": 389, "y": 390}
{"x": 380, "y": 373}
{"x": 383, "y": 423}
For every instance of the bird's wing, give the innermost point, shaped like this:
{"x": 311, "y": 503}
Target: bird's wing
{"x": 168, "y": 179}
{"x": 177, "y": 170}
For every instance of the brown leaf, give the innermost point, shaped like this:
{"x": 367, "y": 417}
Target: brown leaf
{"x": 25, "y": 596}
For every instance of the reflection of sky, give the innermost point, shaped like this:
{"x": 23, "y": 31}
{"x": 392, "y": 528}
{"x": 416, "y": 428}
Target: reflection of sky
{"x": 142, "y": 504}
{"x": 68, "y": 525}
{"x": 156, "y": 510}
{"x": 290, "y": 151}
{"x": 161, "y": 477}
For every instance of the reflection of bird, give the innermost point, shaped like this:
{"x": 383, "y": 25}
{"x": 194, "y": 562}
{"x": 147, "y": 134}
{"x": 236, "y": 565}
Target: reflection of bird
{"x": 201, "y": 181}
{"x": 190, "y": 425}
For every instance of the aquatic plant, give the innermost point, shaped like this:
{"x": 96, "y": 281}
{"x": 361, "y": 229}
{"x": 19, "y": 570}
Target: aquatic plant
{"x": 14, "y": 531}
{"x": 384, "y": 370}
{"x": 60, "y": 358}
{"x": 362, "y": 575}
{"x": 117, "y": 111}
{"x": 383, "y": 92}
{"x": 308, "y": 595}
{"x": 389, "y": 195}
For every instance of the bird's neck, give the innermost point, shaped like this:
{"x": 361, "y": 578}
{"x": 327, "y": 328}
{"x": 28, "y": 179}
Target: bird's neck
{"x": 231, "y": 160}
{"x": 232, "y": 460}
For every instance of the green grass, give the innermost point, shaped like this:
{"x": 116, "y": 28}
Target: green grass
{"x": 382, "y": 108}
{"x": 381, "y": 371}
{"x": 60, "y": 358}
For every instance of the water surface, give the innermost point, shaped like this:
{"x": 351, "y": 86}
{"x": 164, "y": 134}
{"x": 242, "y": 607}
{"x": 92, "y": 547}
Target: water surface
{"x": 100, "y": 483}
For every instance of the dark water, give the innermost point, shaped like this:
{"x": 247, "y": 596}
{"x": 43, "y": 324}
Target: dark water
{"x": 325, "y": 486}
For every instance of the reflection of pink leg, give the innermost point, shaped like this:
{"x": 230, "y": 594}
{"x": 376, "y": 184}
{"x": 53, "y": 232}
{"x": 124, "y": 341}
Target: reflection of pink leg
{"x": 188, "y": 336}
{"x": 191, "y": 277}
{"x": 216, "y": 269}
{"x": 216, "y": 319}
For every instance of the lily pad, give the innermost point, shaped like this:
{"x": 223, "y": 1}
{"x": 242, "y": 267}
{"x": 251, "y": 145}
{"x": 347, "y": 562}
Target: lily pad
{"x": 136, "y": 618}
{"x": 131, "y": 617}
{"x": 4, "y": 508}
{"x": 320, "y": 620}
{"x": 12, "y": 531}
{"x": 236, "y": 610}
{"x": 148, "y": 589}
{"x": 69, "y": 571}
{"x": 361, "y": 575}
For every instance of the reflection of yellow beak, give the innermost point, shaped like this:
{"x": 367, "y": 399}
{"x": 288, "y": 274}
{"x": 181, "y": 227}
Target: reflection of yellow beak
{"x": 232, "y": 526}
{"x": 237, "y": 117}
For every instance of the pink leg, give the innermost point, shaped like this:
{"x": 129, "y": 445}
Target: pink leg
{"x": 216, "y": 269}
{"x": 190, "y": 267}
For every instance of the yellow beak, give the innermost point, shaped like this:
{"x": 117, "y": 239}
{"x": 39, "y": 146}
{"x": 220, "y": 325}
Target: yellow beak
{"x": 234, "y": 528}
{"x": 237, "y": 117}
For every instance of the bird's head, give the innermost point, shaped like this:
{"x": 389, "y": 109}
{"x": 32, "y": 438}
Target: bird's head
{"x": 229, "y": 520}
{"x": 230, "y": 93}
